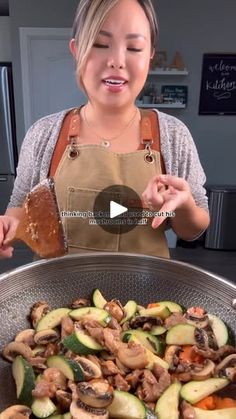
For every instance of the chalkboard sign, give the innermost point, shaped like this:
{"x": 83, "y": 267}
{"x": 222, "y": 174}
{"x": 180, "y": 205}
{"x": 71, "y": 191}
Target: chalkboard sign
{"x": 218, "y": 86}
{"x": 175, "y": 94}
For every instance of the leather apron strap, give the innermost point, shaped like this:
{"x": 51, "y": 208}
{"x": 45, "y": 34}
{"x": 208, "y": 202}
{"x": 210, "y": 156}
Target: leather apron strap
{"x": 70, "y": 129}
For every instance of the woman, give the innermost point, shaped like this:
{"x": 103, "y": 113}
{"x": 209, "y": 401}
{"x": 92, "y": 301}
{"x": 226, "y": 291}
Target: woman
{"x": 110, "y": 141}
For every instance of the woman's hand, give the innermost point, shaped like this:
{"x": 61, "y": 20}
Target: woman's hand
{"x": 166, "y": 193}
{"x": 8, "y": 226}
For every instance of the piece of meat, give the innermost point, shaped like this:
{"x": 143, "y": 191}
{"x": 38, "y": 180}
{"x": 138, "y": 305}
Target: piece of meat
{"x": 112, "y": 340}
{"x": 123, "y": 369}
{"x": 44, "y": 389}
{"x": 109, "y": 368}
{"x": 56, "y": 377}
{"x": 153, "y": 383}
{"x": 51, "y": 349}
{"x": 187, "y": 411}
{"x": 133, "y": 378}
{"x": 96, "y": 333}
{"x": 113, "y": 324}
{"x": 215, "y": 355}
{"x": 175, "y": 318}
{"x": 162, "y": 376}
{"x": 120, "y": 383}
{"x": 67, "y": 327}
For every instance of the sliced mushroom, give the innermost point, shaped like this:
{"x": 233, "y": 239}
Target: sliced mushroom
{"x": 64, "y": 400}
{"x": 26, "y": 336}
{"x": 171, "y": 356}
{"x": 95, "y": 393}
{"x": 140, "y": 321}
{"x": 132, "y": 356}
{"x": 38, "y": 362}
{"x": 90, "y": 369}
{"x": 12, "y": 349}
{"x": 227, "y": 368}
{"x": 206, "y": 372}
{"x": 46, "y": 336}
{"x": 16, "y": 411}
{"x": 115, "y": 308}
{"x": 204, "y": 339}
{"x": 79, "y": 410}
{"x": 197, "y": 316}
{"x": 80, "y": 302}
{"x": 38, "y": 310}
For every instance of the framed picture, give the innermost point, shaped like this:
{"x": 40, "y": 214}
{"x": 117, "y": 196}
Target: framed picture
{"x": 175, "y": 94}
{"x": 218, "y": 85}
{"x": 161, "y": 59}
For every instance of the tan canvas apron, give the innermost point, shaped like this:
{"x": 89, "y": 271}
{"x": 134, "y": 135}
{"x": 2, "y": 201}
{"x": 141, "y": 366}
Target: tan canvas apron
{"x": 93, "y": 168}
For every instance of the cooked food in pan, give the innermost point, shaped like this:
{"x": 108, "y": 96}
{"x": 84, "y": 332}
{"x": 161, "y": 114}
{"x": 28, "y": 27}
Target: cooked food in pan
{"x": 100, "y": 359}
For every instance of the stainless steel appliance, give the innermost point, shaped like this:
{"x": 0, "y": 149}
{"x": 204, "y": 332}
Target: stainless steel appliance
{"x": 117, "y": 275}
{"x": 8, "y": 148}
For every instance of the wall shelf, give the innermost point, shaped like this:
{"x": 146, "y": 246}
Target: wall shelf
{"x": 163, "y": 105}
{"x": 163, "y": 72}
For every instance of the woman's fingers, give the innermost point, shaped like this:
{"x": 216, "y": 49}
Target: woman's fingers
{"x": 6, "y": 252}
{"x": 174, "y": 181}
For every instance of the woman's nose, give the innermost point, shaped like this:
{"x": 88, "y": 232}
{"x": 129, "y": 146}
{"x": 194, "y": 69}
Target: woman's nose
{"x": 116, "y": 59}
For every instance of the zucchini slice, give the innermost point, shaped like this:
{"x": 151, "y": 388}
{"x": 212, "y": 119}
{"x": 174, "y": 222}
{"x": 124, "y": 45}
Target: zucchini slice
{"x": 181, "y": 334}
{"x": 194, "y": 391}
{"x": 70, "y": 368}
{"x": 171, "y": 305}
{"x": 219, "y": 329}
{"x": 229, "y": 413}
{"x": 162, "y": 312}
{"x": 98, "y": 300}
{"x": 149, "y": 341}
{"x": 126, "y": 405}
{"x": 167, "y": 405}
{"x": 158, "y": 330}
{"x": 130, "y": 309}
{"x": 24, "y": 377}
{"x": 93, "y": 313}
{"x": 52, "y": 319}
{"x": 43, "y": 407}
{"x": 81, "y": 344}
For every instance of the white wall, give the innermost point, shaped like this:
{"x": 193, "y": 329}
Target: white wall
{"x": 5, "y": 43}
{"x": 191, "y": 27}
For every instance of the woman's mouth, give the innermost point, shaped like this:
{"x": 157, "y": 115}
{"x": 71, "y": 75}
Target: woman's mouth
{"x": 113, "y": 85}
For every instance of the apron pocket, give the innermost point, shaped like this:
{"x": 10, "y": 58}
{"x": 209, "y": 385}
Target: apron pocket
{"x": 80, "y": 228}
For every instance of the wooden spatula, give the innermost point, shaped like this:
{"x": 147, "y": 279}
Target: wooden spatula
{"x": 40, "y": 226}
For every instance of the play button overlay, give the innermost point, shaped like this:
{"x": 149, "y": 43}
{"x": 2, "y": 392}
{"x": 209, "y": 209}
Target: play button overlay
{"x": 118, "y": 209}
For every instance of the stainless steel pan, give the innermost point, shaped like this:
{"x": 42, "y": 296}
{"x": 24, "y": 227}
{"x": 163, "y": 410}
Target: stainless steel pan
{"x": 122, "y": 276}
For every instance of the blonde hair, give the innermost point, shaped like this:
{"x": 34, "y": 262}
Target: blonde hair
{"x": 89, "y": 19}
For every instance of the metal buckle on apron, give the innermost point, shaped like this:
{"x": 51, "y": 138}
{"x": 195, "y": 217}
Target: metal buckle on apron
{"x": 149, "y": 158}
{"x": 73, "y": 151}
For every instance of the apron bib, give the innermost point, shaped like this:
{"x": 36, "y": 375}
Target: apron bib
{"x": 82, "y": 171}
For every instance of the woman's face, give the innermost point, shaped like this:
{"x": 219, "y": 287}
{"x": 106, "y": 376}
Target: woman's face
{"x": 117, "y": 66}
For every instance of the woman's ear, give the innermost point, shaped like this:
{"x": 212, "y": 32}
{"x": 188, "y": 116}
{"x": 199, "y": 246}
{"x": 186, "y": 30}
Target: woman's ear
{"x": 153, "y": 53}
{"x": 73, "y": 48}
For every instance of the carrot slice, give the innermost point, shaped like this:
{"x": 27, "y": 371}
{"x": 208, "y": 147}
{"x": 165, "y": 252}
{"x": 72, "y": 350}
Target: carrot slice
{"x": 151, "y": 305}
{"x": 208, "y": 403}
{"x": 224, "y": 403}
{"x": 214, "y": 402}
{"x": 188, "y": 354}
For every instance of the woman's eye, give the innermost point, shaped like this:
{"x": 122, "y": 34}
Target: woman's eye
{"x": 134, "y": 49}
{"x": 100, "y": 45}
